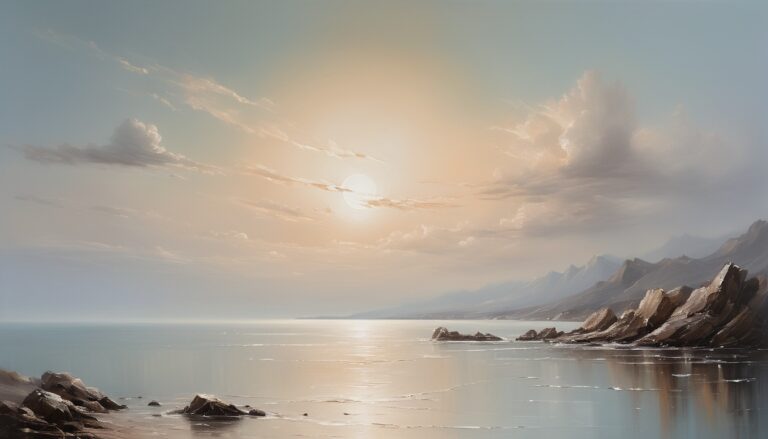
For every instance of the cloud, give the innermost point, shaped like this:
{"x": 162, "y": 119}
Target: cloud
{"x": 406, "y": 204}
{"x": 124, "y": 63}
{"x": 277, "y": 210}
{"x": 121, "y": 212}
{"x": 229, "y": 234}
{"x": 48, "y": 202}
{"x": 275, "y": 177}
{"x": 133, "y": 144}
{"x": 583, "y": 162}
{"x": 197, "y": 85}
{"x": 163, "y": 101}
{"x": 430, "y": 239}
{"x": 208, "y": 95}
{"x": 331, "y": 150}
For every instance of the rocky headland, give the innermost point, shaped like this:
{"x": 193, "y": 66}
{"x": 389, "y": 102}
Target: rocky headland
{"x": 728, "y": 312}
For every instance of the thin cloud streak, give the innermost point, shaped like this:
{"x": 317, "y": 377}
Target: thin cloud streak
{"x": 201, "y": 94}
{"x": 276, "y": 210}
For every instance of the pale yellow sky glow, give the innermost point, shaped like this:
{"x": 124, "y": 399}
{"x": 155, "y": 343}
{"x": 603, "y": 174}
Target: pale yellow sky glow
{"x": 351, "y": 159}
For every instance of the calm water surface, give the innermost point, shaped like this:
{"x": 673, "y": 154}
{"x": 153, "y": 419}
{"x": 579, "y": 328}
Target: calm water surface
{"x": 385, "y": 379}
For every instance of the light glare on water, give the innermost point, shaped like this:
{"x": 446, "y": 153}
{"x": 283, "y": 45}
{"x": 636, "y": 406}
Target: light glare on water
{"x": 386, "y": 379}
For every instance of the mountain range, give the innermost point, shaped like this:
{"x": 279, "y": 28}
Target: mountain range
{"x": 604, "y": 281}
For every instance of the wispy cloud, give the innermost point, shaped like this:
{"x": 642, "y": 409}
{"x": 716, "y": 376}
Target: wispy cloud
{"x": 275, "y": 177}
{"x": 48, "y": 202}
{"x": 206, "y": 94}
{"x": 368, "y": 201}
{"x": 133, "y": 144}
{"x": 229, "y": 235}
{"x": 276, "y": 210}
{"x": 407, "y": 203}
{"x": 332, "y": 149}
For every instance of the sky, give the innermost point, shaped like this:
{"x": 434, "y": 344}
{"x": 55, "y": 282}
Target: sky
{"x": 238, "y": 160}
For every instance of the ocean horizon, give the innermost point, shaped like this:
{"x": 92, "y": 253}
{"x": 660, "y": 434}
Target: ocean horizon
{"x": 382, "y": 378}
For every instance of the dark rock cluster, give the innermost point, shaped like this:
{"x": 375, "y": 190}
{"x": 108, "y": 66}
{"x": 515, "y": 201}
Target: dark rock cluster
{"x": 729, "y": 312}
{"x": 544, "y": 334}
{"x": 443, "y": 334}
{"x": 60, "y": 407}
{"x": 210, "y": 406}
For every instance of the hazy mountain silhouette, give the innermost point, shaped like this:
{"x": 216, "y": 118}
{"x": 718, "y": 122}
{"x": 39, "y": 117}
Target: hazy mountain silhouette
{"x": 626, "y": 287}
{"x": 508, "y": 295}
{"x": 685, "y": 245}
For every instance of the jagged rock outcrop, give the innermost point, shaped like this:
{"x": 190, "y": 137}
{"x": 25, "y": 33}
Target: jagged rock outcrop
{"x": 729, "y": 311}
{"x": 207, "y": 405}
{"x": 544, "y": 334}
{"x": 18, "y": 421}
{"x": 74, "y": 390}
{"x": 58, "y": 406}
{"x": 443, "y": 334}
{"x": 598, "y": 321}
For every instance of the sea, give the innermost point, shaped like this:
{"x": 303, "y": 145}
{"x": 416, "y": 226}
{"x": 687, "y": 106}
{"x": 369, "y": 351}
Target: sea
{"x": 387, "y": 379}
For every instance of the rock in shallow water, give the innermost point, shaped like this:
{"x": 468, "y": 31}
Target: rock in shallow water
{"x": 730, "y": 311}
{"x": 544, "y": 334}
{"x": 207, "y": 405}
{"x": 443, "y": 334}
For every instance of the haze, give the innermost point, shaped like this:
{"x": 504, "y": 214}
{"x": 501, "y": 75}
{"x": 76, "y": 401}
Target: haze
{"x": 199, "y": 160}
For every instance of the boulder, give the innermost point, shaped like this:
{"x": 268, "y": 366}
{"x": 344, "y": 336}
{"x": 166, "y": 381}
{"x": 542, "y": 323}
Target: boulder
{"x": 443, "y": 334}
{"x": 207, "y": 405}
{"x": 73, "y": 389}
{"x": 153, "y": 404}
{"x": 529, "y": 335}
{"x": 655, "y": 308}
{"x": 91, "y": 406}
{"x": 548, "y": 334}
{"x": 712, "y": 298}
{"x": 50, "y": 406}
{"x": 679, "y": 295}
{"x": 626, "y": 328}
{"x": 598, "y": 321}
{"x": 20, "y": 422}
{"x": 543, "y": 335}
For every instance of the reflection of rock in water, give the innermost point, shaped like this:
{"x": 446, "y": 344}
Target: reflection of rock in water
{"x": 212, "y": 426}
{"x": 724, "y": 385}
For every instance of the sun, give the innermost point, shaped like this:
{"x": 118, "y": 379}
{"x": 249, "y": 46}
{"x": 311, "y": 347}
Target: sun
{"x": 362, "y": 189}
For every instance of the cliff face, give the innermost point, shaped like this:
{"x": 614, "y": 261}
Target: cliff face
{"x": 627, "y": 287}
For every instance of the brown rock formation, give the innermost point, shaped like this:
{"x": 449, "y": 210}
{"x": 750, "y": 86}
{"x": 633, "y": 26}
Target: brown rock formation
{"x": 730, "y": 311}
{"x": 443, "y": 334}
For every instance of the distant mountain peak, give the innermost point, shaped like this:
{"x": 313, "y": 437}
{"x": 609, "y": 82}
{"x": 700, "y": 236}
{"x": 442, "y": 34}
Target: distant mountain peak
{"x": 630, "y": 271}
{"x": 756, "y": 236}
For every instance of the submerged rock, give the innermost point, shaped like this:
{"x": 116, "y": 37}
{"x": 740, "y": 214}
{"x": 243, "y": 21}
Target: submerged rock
{"x": 153, "y": 404}
{"x": 443, "y": 334}
{"x": 257, "y": 412}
